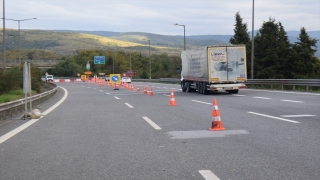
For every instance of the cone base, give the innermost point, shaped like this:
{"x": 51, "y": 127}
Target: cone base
{"x": 217, "y": 126}
{"x": 172, "y": 104}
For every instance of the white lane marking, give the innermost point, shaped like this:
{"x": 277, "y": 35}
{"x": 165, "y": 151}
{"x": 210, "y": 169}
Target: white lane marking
{"x": 116, "y": 97}
{"x": 293, "y": 101}
{"x": 298, "y": 115}
{"x": 208, "y": 175}
{"x": 30, "y": 122}
{"x": 165, "y": 87}
{"x": 108, "y": 93}
{"x": 158, "y": 87}
{"x": 201, "y": 102}
{"x": 314, "y": 94}
{"x": 261, "y": 98}
{"x": 237, "y": 95}
{"x": 88, "y": 87}
{"x": 282, "y": 119}
{"x": 94, "y": 88}
{"x": 101, "y": 90}
{"x": 166, "y": 95}
{"x": 128, "y": 105}
{"x": 154, "y": 125}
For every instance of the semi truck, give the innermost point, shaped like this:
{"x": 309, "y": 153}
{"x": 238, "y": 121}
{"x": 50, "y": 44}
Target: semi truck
{"x": 214, "y": 68}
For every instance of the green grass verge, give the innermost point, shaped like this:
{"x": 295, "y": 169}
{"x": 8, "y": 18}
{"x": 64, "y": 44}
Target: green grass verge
{"x": 13, "y": 95}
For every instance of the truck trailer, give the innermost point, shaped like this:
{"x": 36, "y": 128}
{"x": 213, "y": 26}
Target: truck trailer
{"x": 214, "y": 68}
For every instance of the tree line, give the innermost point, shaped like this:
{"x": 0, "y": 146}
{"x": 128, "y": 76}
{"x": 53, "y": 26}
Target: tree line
{"x": 274, "y": 56}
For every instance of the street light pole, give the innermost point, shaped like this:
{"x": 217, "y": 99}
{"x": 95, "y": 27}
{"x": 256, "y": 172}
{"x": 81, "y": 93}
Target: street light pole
{"x": 184, "y": 33}
{"x": 19, "y": 34}
{"x": 4, "y": 39}
{"x": 252, "y": 38}
{"x": 149, "y": 61}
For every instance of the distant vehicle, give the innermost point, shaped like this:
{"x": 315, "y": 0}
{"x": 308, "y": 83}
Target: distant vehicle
{"x": 214, "y": 68}
{"x": 49, "y": 78}
{"x": 125, "y": 80}
{"x": 107, "y": 78}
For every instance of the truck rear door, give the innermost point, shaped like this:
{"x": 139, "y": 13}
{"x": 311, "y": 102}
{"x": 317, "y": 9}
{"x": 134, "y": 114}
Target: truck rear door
{"x": 227, "y": 63}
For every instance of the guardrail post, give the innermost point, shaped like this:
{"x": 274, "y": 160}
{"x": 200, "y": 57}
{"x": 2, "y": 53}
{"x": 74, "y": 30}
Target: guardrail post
{"x": 307, "y": 88}
{"x": 294, "y": 87}
{"x": 282, "y": 87}
{"x": 271, "y": 86}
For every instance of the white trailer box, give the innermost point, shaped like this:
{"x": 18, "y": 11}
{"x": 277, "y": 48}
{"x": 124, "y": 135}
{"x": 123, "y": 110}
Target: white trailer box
{"x": 214, "y": 68}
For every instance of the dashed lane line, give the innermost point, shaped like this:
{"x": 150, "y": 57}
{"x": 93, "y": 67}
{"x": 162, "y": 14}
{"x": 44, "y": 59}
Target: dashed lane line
{"x": 116, "y": 97}
{"x": 282, "y": 119}
{"x": 261, "y": 98}
{"x": 201, "y": 102}
{"x": 292, "y": 101}
{"x": 208, "y": 175}
{"x": 154, "y": 125}
{"x": 128, "y": 105}
{"x": 298, "y": 115}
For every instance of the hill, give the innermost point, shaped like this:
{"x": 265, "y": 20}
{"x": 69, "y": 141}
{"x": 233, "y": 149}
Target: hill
{"x": 68, "y": 42}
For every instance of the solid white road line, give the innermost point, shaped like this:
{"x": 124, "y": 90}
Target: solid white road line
{"x": 128, "y": 105}
{"x": 288, "y": 120}
{"x": 299, "y": 115}
{"x": 208, "y": 175}
{"x": 201, "y": 102}
{"x": 116, "y": 97}
{"x": 30, "y": 122}
{"x": 261, "y": 98}
{"x": 313, "y": 94}
{"x": 154, "y": 125}
{"x": 293, "y": 101}
{"x": 237, "y": 95}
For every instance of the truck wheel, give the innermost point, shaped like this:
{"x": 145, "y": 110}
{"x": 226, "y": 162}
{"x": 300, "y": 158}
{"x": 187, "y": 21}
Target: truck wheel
{"x": 205, "y": 91}
{"x": 183, "y": 87}
{"x": 233, "y": 91}
{"x": 188, "y": 89}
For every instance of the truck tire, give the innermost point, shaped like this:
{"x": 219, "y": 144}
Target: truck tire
{"x": 233, "y": 91}
{"x": 205, "y": 91}
{"x": 188, "y": 89}
{"x": 183, "y": 87}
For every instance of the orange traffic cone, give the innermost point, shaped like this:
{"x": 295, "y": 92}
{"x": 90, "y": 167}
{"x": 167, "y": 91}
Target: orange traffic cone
{"x": 145, "y": 90}
{"x": 138, "y": 88}
{"x": 216, "y": 120}
{"x": 150, "y": 93}
{"x": 132, "y": 87}
{"x": 172, "y": 99}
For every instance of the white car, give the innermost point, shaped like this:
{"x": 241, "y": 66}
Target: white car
{"x": 125, "y": 80}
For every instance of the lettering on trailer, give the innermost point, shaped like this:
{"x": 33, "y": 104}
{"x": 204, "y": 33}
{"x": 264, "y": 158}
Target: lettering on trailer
{"x": 194, "y": 64}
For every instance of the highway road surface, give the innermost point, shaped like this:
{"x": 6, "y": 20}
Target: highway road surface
{"x": 95, "y": 132}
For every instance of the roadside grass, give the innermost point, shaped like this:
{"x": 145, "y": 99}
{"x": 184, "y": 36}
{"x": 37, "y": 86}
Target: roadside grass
{"x": 13, "y": 95}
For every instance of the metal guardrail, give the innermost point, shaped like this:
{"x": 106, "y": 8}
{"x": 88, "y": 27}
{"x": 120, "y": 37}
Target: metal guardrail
{"x": 271, "y": 82}
{"x": 18, "y": 106}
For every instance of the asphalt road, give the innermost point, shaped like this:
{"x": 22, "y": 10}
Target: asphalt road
{"x": 96, "y": 132}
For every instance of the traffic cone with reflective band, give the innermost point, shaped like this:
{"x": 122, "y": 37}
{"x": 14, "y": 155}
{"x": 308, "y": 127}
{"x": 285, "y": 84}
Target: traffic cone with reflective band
{"x": 145, "y": 90}
{"x": 138, "y": 88}
{"x": 216, "y": 120}
{"x": 172, "y": 99}
{"x": 150, "y": 92}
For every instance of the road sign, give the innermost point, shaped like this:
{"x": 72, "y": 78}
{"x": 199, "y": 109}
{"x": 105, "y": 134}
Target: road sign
{"x": 115, "y": 78}
{"x": 99, "y": 60}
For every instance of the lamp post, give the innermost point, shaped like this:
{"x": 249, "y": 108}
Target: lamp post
{"x": 149, "y": 61}
{"x": 19, "y": 33}
{"x": 184, "y": 33}
{"x": 4, "y": 39}
{"x": 252, "y": 38}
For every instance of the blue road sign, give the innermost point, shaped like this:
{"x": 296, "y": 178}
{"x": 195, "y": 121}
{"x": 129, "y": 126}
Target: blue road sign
{"x": 99, "y": 60}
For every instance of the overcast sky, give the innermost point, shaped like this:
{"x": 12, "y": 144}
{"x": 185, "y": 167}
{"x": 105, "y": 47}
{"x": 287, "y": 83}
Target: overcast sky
{"x": 200, "y": 17}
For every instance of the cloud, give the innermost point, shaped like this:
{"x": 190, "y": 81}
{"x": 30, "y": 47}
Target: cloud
{"x": 199, "y": 16}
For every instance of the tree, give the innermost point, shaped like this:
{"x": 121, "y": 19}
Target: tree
{"x": 304, "y": 64}
{"x": 271, "y": 51}
{"x": 241, "y": 35}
